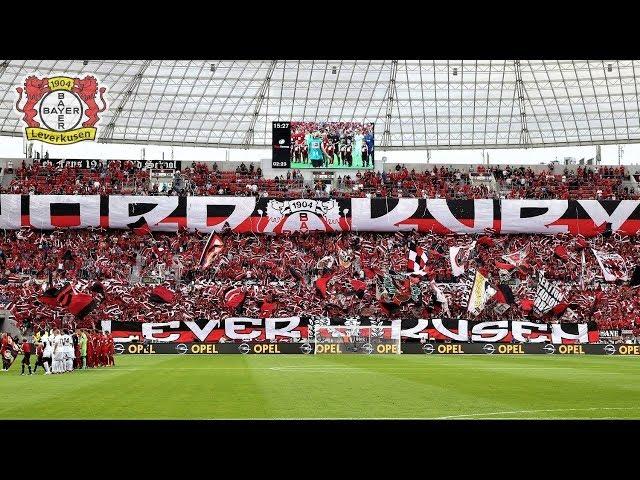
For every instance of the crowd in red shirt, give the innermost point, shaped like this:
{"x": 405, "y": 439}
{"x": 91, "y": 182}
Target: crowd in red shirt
{"x": 436, "y": 182}
{"x": 278, "y": 275}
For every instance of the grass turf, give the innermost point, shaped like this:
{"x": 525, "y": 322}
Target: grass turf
{"x": 331, "y": 386}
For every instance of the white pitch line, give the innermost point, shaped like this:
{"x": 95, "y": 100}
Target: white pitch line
{"x": 590, "y": 409}
{"x": 424, "y": 368}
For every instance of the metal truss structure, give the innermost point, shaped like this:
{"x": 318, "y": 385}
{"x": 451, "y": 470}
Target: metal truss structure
{"x": 415, "y": 104}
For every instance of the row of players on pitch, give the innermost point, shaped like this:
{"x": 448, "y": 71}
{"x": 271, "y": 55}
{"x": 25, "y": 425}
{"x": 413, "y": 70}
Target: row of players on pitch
{"x": 60, "y": 351}
{"x": 329, "y": 150}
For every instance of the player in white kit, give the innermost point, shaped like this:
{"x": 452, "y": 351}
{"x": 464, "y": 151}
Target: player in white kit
{"x": 58, "y": 353}
{"x": 69, "y": 354}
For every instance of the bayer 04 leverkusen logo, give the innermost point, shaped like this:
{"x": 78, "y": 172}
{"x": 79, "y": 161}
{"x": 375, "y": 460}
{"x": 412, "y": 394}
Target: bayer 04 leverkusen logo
{"x": 60, "y": 110}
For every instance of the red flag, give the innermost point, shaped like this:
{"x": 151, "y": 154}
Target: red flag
{"x": 359, "y": 286}
{"x": 504, "y": 266}
{"x": 560, "y": 308}
{"x": 581, "y": 243}
{"x": 162, "y": 295}
{"x": 526, "y": 304}
{"x": 213, "y": 247}
{"x": 486, "y": 241}
{"x": 321, "y": 284}
{"x": 267, "y": 309}
{"x": 234, "y": 297}
{"x": 561, "y": 252}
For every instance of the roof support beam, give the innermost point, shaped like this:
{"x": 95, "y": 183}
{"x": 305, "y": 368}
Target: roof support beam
{"x": 133, "y": 84}
{"x": 525, "y": 138}
{"x": 259, "y": 100}
{"x": 391, "y": 96}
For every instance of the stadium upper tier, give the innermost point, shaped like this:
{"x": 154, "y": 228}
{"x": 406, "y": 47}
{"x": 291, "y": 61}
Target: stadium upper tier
{"x": 332, "y": 275}
{"x": 603, "y": 183}
{"x": 414, "y": 104}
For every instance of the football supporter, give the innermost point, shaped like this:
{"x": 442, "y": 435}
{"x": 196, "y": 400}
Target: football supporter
{"x": 284, "y": 271}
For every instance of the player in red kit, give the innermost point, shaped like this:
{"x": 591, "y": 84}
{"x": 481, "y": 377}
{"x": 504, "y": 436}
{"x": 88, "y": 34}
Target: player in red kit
{"x": 112, "y": 350}
{"x": 104, "y": 350}
{"x": 90, "y": 351}
{"x": 3, "y": 351}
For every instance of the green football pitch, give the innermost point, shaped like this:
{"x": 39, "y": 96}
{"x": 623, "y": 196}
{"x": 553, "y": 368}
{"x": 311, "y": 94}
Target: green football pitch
{"x": 333, "y": 387}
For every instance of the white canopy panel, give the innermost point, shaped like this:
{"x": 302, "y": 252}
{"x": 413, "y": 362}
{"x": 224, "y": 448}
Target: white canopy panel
{"x": 415, "y": 104}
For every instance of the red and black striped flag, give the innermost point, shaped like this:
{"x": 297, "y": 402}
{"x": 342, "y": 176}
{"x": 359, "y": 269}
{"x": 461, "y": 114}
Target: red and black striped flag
{"x": 79, "y": 304}
{"x": 65, "y": 214}
{"x": 140, "y": 227}
{"x": 504, "y": 294}
{"x": 417, "y": 260}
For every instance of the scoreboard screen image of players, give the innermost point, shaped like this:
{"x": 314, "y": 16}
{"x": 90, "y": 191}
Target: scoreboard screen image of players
{"x": 326, "y": 145}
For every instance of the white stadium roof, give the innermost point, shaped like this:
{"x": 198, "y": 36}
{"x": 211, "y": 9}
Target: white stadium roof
{"x": 435, "y": 104}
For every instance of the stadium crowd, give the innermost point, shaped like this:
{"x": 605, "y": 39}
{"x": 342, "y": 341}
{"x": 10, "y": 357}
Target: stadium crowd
{"x": 158, "y": 278}
{"x": 121, "y": 177}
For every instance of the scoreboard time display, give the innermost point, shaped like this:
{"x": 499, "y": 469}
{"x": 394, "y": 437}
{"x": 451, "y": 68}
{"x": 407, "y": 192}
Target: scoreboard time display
{"x": 281, "y": 135}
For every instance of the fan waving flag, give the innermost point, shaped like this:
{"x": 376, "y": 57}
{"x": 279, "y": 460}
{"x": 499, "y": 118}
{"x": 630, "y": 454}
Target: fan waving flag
{"x": 140, "y": 227}
{"x": 504, "y": 298}
{"x": 321, "y": 284}
{"x": 480, "y": 293}
{"x": 459, "y": 256}
{"x": 547, "y": 296}
{"x": 612, "y": 265}
{"x": 234, "y": 298}
{"x": 162, "y": 295}
{"x": 79, "y": 304}
{"x": 213, "y": 247}
{"x": 417, "y": 260}
{"x": 517, "y": 258}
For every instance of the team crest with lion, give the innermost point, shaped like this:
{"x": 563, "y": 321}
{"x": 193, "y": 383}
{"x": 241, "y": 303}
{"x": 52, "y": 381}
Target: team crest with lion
{"x": 60, "y": 110}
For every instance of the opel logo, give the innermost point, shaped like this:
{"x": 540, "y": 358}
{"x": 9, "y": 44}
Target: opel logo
{"x": 181, "y": 348}
{"x": 489, "y": 348}
{"x": 367, "y": 348}
{"x": 118, "y": 348}
{"x": 609, "y": 349}
{"x": 244, "y": 348}
{"x": 428, "y": 348}
{"x": 306, "y": 348}
{"x": 549, "y": 348}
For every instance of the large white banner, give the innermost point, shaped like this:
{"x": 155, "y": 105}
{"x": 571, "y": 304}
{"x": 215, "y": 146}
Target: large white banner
{"x": 282, "y": 215}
